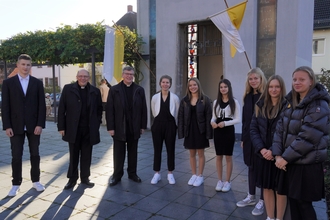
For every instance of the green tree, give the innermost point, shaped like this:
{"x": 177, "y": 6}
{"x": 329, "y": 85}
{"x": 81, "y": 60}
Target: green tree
{"x": 132, "y": 44}
{"x": 70, "y": 45}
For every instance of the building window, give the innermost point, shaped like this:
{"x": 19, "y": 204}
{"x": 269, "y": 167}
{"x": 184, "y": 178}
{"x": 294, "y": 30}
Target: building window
{"x": 318, "y": 46}
{"x": 49, "y": 81}
{"x": 192, "y": 50}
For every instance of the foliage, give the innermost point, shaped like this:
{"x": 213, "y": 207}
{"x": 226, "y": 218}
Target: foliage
{"x": 49, "y": 89}
{"x": 324, "y": 79}
{"x": 66, "y": 45}
{"x": 133, "y": 43}
{"x": 70, "y": 45}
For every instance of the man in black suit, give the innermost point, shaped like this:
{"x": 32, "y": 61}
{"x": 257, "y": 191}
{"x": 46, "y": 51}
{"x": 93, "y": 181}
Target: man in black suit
{"x": 24, "y": 114}
{"x": 79, "y": 119}
{"x": 126, "y": 115}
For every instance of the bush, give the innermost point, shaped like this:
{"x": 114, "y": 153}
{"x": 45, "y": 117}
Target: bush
{"x": 49, "y": 89}
{"x": 324, "y": 79}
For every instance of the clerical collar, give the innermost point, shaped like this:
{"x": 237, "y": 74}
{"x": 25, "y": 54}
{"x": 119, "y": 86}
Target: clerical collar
{"x": 128, "y": 85}
{"x": 82, "y": 87}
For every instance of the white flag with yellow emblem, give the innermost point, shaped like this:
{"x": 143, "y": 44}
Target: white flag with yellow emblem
{"x": 228, "y": 22}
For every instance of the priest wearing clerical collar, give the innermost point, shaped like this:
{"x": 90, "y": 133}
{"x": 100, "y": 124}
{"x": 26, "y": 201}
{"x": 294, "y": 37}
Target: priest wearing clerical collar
{"x": 126, "y": 115}
{"x": 79, "y": 119}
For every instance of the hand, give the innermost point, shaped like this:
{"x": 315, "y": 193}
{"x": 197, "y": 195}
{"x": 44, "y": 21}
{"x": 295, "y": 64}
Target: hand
{"x": 214, "y": 125}
{"x": 221, "y": 124}
{"x": 141, "y": 131}
{"x": 112, "y": 132}
{"x": 281, "y": 163}
{"x": 9, "y": 132}
{"x": 267, "y": 154}
{"x": 38, "y": 130}
{"x": 242, "y": 144}
{"x": 62, "y": 133}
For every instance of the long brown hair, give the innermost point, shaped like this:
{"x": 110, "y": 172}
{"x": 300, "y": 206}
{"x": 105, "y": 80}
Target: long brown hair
{"x": 268, "y": 110}
{"x": 200, "y": 90}
{"x": 230, "y": 97}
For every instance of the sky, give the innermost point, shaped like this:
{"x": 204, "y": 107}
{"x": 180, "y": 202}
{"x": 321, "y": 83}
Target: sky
{"x": 19, "y": 16}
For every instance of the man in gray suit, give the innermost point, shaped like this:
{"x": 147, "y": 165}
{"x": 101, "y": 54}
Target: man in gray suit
{"x": 24, "y": 115}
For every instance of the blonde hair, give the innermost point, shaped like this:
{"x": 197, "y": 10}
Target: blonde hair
{"x": 263, "y": 81}
{"x": 311, "y": 74}
{"x": 268, "y": 110}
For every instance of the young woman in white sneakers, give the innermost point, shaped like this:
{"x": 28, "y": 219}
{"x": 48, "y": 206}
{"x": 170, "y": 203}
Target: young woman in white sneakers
{"x": 263, "y": 125}
{"x": 164, "y": 107}
{"x": 226, "y": 113}
{"x": 194, "y": 118}
{"x": 255, "y": 85}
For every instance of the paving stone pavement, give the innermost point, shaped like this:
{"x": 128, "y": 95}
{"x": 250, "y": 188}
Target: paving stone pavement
{"x": 127, "y": 200}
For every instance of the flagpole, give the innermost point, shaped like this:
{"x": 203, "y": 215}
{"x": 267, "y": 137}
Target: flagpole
{"x": 135, "y": 51}
{"x": 247, "y": 58}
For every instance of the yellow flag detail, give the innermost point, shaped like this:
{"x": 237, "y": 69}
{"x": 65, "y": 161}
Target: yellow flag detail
{"x": 118, "y": 55}
{"x": 236, "y": 14}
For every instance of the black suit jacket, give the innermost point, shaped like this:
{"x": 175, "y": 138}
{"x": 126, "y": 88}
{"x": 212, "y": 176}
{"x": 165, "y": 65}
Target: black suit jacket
{"x": 19, "y": 110}
{"x": 69, "y": 111}
{"x": 115, "y": 111}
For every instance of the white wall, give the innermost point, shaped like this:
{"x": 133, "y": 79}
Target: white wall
{"x": 65, "y": 74}
{"x": 322, "y": 61}
{"x": 294, "y": 37}
{"x": 293, "y": 45}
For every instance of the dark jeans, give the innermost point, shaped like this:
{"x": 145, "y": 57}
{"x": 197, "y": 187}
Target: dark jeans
{"x": 17, "y": 143}
{"x": 80, "y": 149}
{"x": 119, "y": 154}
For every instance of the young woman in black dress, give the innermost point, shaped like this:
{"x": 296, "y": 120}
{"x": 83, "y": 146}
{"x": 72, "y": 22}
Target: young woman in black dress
{"x": 194, "y": 118}
{"x": 226, "y": 113}
{"x": 255, "y": 85}
{"x": 263, "y": 125}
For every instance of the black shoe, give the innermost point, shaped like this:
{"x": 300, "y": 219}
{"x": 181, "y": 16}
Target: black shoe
{"x": 114, "y": 181}
{"x": 87, "y": 182}
{"x": 70, "y": 184}
{"x": 135, "y": 178}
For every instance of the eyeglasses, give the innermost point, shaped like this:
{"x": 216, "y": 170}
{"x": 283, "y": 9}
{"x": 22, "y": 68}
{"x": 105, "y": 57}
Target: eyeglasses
{"x": 129, "y": 74}
{"x": 82, "y": 76}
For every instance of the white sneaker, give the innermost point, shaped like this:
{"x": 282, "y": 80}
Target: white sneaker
{"x": 38, "y": 186}
{"x": 259, "y": 209}
{"x": 170, "y": 178}
{"x": 199, "y": 180}
{"x": 249, "y": 200}
{"x": 13, "y": 191}
{"x": 226, "y": 186}
{"x": 192, "y": 180}
{"x": 156, "y": 178}
{"x": 219, "y": 186}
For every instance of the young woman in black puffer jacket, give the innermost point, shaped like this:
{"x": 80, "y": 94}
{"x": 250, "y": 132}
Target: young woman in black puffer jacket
{"x": 263, "y": 125}
{"x": 301, "y": 140}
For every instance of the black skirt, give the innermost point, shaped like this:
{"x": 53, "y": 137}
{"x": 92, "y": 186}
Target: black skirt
{"x": 224, "y": 139}
{"x": 305, "y": 182}
{"x": 195, "y": 139}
